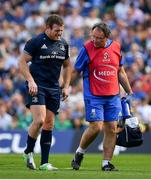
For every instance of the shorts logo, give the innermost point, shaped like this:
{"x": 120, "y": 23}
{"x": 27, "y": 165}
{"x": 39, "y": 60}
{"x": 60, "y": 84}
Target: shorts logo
{"x": 34, "y": 99}
{"x": 93, "y": 113}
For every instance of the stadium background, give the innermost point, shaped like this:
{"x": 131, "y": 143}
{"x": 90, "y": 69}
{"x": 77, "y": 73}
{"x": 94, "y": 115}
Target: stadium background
{"x": 130, "y": 22}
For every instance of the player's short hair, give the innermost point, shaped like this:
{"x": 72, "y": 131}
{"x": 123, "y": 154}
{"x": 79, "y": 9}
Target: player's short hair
{"x": 103, "y": 27}
{"x": 54, "y": 19}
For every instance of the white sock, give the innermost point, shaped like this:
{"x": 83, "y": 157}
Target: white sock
{"x": 105, "y": 162}
{"x": 80, "y": 150}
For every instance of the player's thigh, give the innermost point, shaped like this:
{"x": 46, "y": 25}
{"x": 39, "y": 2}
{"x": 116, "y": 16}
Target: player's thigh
{"x": 93, "y": 111}
{"x": 52, "y": 106}
{"x": 112, "y": 109}
{"x": 37, "y": 105}
{"x": 53, "y": 101}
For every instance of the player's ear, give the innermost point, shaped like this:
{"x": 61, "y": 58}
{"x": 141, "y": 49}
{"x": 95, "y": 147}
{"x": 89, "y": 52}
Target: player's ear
{"x": 48, "y": 27}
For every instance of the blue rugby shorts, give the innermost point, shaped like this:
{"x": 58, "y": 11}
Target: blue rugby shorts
{"x": 47, "y": 97}
{"x": 103, "y": 108}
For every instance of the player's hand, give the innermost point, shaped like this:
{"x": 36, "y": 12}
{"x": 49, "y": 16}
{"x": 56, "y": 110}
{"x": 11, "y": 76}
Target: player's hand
{"x": 65, "y": 93}
{"x": 33, "y": 89}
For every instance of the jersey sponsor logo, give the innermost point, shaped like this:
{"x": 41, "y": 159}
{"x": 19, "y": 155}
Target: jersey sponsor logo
{"x": 44, "y": 46}
{"x": 106, "y": 57}
{"x": 53, "y": 56}
{"x": 45, "y": 57}
{"x": 104, "y": 73}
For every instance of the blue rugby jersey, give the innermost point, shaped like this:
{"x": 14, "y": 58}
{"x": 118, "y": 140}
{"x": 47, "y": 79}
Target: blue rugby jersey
{"x": 47, "y": 58}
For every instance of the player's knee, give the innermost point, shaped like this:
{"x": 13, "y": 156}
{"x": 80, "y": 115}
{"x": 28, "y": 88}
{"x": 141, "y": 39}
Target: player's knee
{"x": 39, "y": 119}
{"x": 95, "y": 127}
{"x": 48, "y": 125}
{"x": 114, "y": 129}
{"x": 37, "y": 124}
{"x": 110, "y": 127}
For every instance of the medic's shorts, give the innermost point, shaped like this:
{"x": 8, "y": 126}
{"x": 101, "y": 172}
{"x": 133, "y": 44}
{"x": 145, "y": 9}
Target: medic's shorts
{"x": 104, "y": 108}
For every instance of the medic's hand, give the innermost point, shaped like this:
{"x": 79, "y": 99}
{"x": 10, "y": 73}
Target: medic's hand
{"x": 129, "y": 97}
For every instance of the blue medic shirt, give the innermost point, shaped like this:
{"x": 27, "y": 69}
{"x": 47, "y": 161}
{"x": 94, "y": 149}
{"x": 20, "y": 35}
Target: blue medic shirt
{"x": 82, "y": 64}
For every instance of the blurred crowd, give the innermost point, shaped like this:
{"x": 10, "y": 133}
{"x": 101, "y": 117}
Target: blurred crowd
{"x": 130, "y": 22}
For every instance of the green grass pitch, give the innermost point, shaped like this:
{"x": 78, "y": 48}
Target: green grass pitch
{"x": 130, "y": 166}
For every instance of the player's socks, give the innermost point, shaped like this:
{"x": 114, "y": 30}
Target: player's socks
{"x": 107, "y": 166}
{"x": 105, "y": 162}
{"x": 45, "y": 143}
{"x": 80, "y": 150}
{"x": 30, "y": 144}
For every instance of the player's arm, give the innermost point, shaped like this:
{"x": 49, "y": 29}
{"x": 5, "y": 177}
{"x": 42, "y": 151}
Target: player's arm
{"x": 24, "y": 69}
{"x": 123, "y": 80}
{"x": 67, "y": 70}
{"x": 61, "y": 82}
